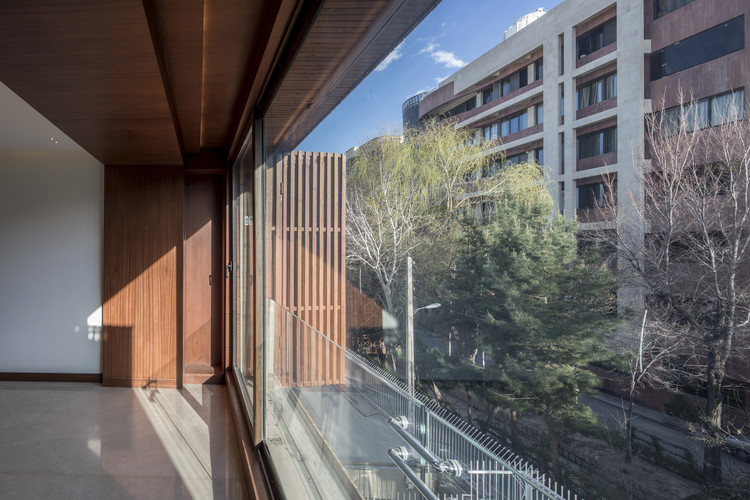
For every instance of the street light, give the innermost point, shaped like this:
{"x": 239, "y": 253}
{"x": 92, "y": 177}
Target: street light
{"x": 410, "y": 326}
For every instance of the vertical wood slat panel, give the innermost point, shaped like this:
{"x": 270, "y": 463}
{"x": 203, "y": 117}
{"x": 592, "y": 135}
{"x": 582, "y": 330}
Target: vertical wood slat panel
{"x": 308, "y": 268}
{"x": 329, "y": 259}
{"x": 141, "y": 278}
{"x": 323, "y": 356}
{"x": 341, "y": 228}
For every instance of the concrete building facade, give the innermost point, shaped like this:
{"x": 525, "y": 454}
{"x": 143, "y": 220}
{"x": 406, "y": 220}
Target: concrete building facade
{"x": 571, "y": 90}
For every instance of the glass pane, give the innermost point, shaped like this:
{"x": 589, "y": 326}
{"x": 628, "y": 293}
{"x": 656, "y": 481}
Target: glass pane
{"x": 243, "y": 236}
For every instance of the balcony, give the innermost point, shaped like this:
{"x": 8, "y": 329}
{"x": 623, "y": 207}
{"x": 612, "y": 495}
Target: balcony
{"x": 368, "y": 436}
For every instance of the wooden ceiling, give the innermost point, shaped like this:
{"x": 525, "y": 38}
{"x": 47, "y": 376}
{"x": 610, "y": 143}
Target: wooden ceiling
{"x": 146, "y": 82}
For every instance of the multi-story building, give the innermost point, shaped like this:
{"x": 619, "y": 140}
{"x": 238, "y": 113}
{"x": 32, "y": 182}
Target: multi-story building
{"x": 571, "y": 90}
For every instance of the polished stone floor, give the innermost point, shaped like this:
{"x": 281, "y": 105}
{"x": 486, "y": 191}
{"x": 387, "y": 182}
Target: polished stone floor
{"x": 81, "y": 441}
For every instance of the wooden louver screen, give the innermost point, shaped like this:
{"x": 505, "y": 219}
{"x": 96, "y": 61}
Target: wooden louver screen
{"x": 306, "y": 209}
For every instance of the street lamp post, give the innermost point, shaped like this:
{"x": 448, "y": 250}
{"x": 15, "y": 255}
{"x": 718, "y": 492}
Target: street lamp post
{"x": 410, "y": 325}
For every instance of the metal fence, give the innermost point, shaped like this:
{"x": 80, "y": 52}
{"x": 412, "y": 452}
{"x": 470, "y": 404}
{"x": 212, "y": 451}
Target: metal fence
{"x": 451, "y": 459}
{"x": 492, "y": 470}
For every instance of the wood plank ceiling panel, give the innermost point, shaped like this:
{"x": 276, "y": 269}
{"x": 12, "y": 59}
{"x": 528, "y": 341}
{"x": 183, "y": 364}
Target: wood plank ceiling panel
{"x": 89, "y": 66}
{"x": 230, "y": 28}
{"x": 329, "y": 65}
{"x": 180, "y": 30}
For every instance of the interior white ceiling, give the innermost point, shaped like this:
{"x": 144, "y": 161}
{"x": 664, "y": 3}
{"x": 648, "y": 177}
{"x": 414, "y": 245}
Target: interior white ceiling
{"x": 22, "y": 128}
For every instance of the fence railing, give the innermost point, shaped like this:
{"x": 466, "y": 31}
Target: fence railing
{"x": 478, "y": 466}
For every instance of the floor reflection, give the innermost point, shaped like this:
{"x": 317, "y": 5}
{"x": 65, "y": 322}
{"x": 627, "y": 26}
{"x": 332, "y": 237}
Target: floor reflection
{"x": 67, "y": 440}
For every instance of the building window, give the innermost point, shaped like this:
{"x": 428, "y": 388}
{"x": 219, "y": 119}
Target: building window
{"x": 593, "y": 195}
{"x": 597, "y": 38}
{"x": 515, "y": 81}
{"x": 539, "y": 114}
{"x": 562, "y": 103}
{"x": 728, "y": 107}
{"x": 491, "y": 93}
{"x": 708, "y": 45}
{"x": 510, "y": 84}
{"x": 595, "y": 92}
{"x": 597, "y": 143}
{"x": 711, "y": 111}
{"x": 539, "y": 155}
{"x": 490, "y": 132}
{"x": 514, "y": 123}
{"x": 562, "y": 198}
{"x": 539, "y": 69}
{"x": 561, "y": 55}
{"x": 562, "y": 153}
{"x": 516, "y": 159}
{"x": 664, "y": 7}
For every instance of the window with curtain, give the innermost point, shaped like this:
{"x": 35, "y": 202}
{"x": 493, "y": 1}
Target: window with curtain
{"x": 597, "y": 38}
{"x": 490, "y": 132}
{"x": 711, "y": 111}
{"x": 597, "y": 143}
{"x": 514, "y": 123}
{"x": 592, "y": 195}
{"x": 596, "y": 91}
{"x": 728, "y": 107}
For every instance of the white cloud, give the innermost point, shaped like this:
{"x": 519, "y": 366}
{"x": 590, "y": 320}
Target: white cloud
{"x": 448, "y": 59}
{"x": 429, "y": 48}
{"x": 440, "y": 79}
{"x": 396, "y": 54}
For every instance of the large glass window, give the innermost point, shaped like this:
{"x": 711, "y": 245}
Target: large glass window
{"x": 461, "y": 108}
{"x": 511, "y": 83}
{"x": 540, "y": 156}
{"x": 711, "y": 111}
{"x": 593, "y": 195}
{"x": 516, "y": 159}
{"x": 708, "y": 45}
{"x": 515, "y": 81}
{"x": 491, "y": 93}
{"x": 597, "y": 143}
{"x": 597, "y": 38}
{"x": 664, "y": 7}
{"x": 514, "y": 124}
{"x": 597, "y": 91}
{"x": 242, "y": 267}
{"x": 490, "y": 132}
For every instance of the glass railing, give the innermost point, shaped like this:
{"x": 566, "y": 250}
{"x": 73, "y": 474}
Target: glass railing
{"x": 337, "y": 426}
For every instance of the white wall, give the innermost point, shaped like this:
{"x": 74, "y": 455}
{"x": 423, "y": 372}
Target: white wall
{"x": 51, "y": 212}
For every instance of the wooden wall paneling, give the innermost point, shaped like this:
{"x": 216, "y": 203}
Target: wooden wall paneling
{"x": 203, "y": 277}
{"x": 141, "y": 283}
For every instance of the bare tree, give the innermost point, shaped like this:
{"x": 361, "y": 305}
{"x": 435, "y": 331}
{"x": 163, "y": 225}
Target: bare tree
{"x": 684, "y": 239}
{"x": 403, "y": 196}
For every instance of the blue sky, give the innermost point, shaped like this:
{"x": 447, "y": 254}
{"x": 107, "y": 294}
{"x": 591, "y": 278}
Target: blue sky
{"x": 453, "y": 34}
